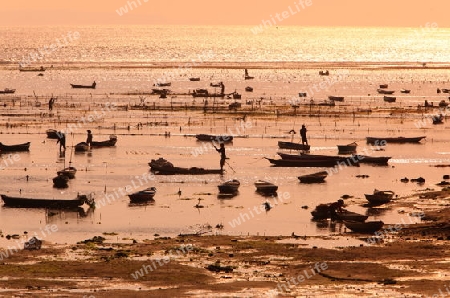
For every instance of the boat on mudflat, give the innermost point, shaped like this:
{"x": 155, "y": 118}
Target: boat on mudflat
{"x": 292, "y": 146}
{"x": 323, "y": 211}
{"x": 317, "y": 157}
{"x": 389, "y": 98}
{"x": 17, "y": 147}
{"x": 22, "y": 202}
{"x": 52, "y": 133}
{"x": 230, "y": 186}
{"x": 61, "y": 181}
{"x": 311, "y": 162}
{"x": 75, "y": 86}
{"x": 265, "y": 187}
{"x": 69, "y": 172}
{"x": 347, "y": 149}
{"x": 32, "y": 68}
{"x": 216, "y": 138}
{"x": 336, "y": 98}
{"x": 81, "y": 147}
{"x": 379, "y": 197}
{"x": 378, "y": 160}
{"x": 397, "y": 140}
{"x": 194, "y": 79}
{"x": 318, "y": 177}
{"x": 108, "y": 143}
{"x": 163, "y": 167}
{"x": 367, "y": 227}
{"x": 7, "y": 91}
{"x": 383, "y": 91}
{"x": 143, "y": 195}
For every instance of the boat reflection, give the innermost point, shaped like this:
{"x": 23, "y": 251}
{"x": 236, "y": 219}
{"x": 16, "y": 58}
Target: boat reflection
{"x": 56, "y": 215}
{"x": 142, "y": 204}
{"x": 227, "y": 196}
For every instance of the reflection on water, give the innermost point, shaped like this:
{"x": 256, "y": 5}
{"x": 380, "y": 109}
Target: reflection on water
{"x": 55, "y": 216}
{"x": 371, "y": 211}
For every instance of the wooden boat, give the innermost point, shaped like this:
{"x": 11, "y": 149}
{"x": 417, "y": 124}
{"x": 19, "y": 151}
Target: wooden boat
{"x": 379, "y": 160}
{"x": 7, "y": 91}
{"x": 247, "y": 76}
{"x": 168, "y": 84}
{"x": 382, "y": 91}
{"x": 163, "y": 167}
{"x": 12, "y": 148}
{"x": 438, "y": 119}
{"x": 444, "y": 90}
{"x": 316, "y": 157}
{"x": 443, "y": 104}
{"x": 397, "y": 140}
{"x": 230, "y": 186}
{"x": 379, "y": 197}
{"x": 324, "y": 73}
{"x": 108, "y": 143}
{"x": 69, "y": 172}
{"x": 405, "y": 91}
{"x": 265, "y": 187}
{"x": 302, "y": 94}
{"x": 216, "y": 84}
{"x": 309, "y": 162}
{"x": 81, "y": 147}
{"x": 336, "y": 98}
{"x": 52, "y": 133}
{"x": 383, "y": 86}
{"x": 389, "y": 98}
{"x": 323, "y": 211}
{"x": 143, "y": 195}
{"x": 47, "y": 203}
{"x": 368, "y": 227}
{"x": 292, "y": 146}
{"x": 214, "y": 138}
{"x": 346, "y": 149}
{"x": 196, "y": 79}
{"x": 61, "y": 181}
{"x": 84, "y": 86}
{"x": 318, "y": 177}
{"x": 161, "y": 91}
{"x": 249, "y": 89}
{"x": 32, "y": 69}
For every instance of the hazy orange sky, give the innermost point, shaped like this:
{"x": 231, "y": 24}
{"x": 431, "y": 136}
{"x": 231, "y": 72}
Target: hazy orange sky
{"x": 409, "y": 13}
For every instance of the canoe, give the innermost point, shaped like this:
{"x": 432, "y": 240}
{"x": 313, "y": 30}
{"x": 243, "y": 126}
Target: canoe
{"x": 46, "y": 203}
{"x": 368, "y": 227}
{"x": 216, "y": 138}
{"x": 383, "y": 86}
{"x": 379, "y": 160}
{"x": 389, "y": 98}
{"x": 230, "y": 186}
{"x": 318, "y": 177}
{"x": 61, "y": 181}
{"x": 336, "y": 98}
{"x": 382, "y": 91}
{"x": 317, "y": 157}
{"x": 347, "y": 149}
{"x": 405, "y": 91}
{"x": 310, "y": 162}
{"x": 7, "y": 91}
{"x": 163, "y": 84}
{"x": 265, "y": 187}
{"x": 108, "y": 143}
{"x": 164, "y": 167}
{"x": 69, "y": 172}
{"x": 397, "y": 140}
{"x": 18, "y": 147}
{"x": 75, "y": 86}
{"x": 143, "y": 195}
{"x": 292, "y": 146}
{"x": 81, "y": 147}
{"x": 380, "y": 197}
{"x": 194, "y": 79}
{"x": 322, "y": 211}
{"x": 52, "y": 133}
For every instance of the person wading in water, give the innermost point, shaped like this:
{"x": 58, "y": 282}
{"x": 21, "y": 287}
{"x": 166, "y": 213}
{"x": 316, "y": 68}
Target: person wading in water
{"x": 223, "y": 156}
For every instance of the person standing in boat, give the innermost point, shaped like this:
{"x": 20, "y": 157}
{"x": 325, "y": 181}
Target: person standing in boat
{"x": 303, "y": 135}
{"x": 89, "y": 137}
{"x": 61, "y": 140}
{"x": 223, "y": 156}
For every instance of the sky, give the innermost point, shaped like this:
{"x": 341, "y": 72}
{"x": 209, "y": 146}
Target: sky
{"x": 382, "y": 13}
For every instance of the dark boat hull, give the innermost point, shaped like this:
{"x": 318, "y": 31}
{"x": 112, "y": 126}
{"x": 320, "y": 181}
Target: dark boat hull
{"x": 81, "y": 147}
{"x": 310, "y": 162}
{"x": 109, "y": 143}
{"x": 52, "y": 133}
{"x": 364, "y": 227}
{"x": 316, "y": 157}
{"x": 143, "y": 195}
{"x": 82, "y": 86}
{"x": 12, "y": 148}
{"x": 397, "y": 140}
{"x": 69, "y": 172}
{"x": 43, "y": 203}
{"x": 229, "y": 187}
{"x": 292, "y": 146}
{"x": 318, "y": 177}
{"x": 171, "y": 170}
{"x": 218, "y": 138}
{"x": 346, "y": 149}
{"x": 325, "y": 213}
{"x": 379, "y": 160}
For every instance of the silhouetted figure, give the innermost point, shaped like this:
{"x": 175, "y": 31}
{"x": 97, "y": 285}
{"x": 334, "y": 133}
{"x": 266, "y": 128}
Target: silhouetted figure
{"x": 50, "y": 104}
{"x": 61, "y": 140}
{"x": 89, "y": 137}
{"x": 303, "y": 135}
{"x": 223, "y": 156}
{"x": 336, "y": 208}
